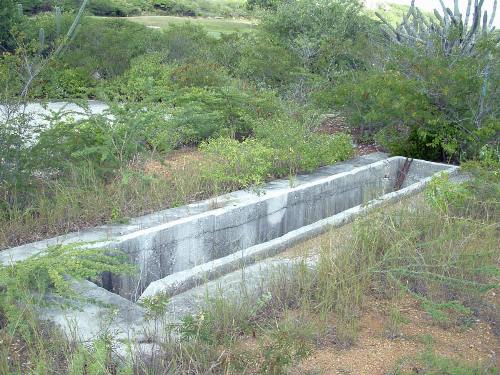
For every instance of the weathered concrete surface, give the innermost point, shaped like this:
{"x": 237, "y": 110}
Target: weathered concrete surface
{"x": 179, "y": 242}
{"x": 176, "y": 239}
{"x": 359, "y": 186}
{"x": 96, "y": 313}
{"x": 181, "y": 281}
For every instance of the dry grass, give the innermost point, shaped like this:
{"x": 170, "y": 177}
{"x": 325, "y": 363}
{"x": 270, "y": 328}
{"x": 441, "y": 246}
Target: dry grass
{"x": 85, "y": 200}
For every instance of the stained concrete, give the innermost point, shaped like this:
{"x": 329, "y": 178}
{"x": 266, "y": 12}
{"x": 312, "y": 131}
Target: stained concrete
{"x": 194, "y": 251}
{"x": 176, "y": 241}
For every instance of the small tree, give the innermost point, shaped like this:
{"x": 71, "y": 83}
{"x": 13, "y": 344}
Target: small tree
{"x": 27, "y": 60}
{"x": 438, "y": 90}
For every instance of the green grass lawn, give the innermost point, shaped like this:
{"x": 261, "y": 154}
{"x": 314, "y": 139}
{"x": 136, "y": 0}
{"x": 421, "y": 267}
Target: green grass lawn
{"x": 215, "y": 27}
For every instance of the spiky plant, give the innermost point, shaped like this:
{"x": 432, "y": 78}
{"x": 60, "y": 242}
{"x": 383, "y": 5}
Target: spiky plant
{"x": 35, "y": 66}
{"x": 449, "y": 31}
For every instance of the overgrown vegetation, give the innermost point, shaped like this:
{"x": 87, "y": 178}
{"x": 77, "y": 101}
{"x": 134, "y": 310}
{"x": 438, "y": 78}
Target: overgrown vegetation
{"x": 166, "y": 91}
{"x": 29, "y": 345}
{"x": 441, "y": 251}
{"x": 191, "y": 115}
{"x": 432, "y": 94}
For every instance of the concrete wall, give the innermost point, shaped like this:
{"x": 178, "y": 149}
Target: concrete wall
{"x": 178, "y": 239}
{"x": 182, "y": 237}
{"x": 190, "y": 241}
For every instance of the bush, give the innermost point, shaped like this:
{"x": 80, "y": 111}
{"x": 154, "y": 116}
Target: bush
{"x": 262, "y": 4}
{"x": 105, "y": 47}
{"x": 63, "y": 82}
{"x": 201, "y": 103}
{"x": 8, "y": 18}
{"x": 177, "y": 7}
{"x": 25, "y": 286}
{"x": 237, "y": 164}
{"x": 298, "y": 149}
{"x": 104, "y": 142}
{"x": 390, "y": 106}
{"x": 200, "y": 113}
{"x": 476, "y": 198}
{"x": 424, "y": 106}
{"x": 147, "y": 79}
{"x": 117, "y": 8}
{"x": 326, "y": 34}
{"x": 188, "y": 42}
{"x": 36, "y": 6}
{"x": 266, "y": 62}
{"x": 192, "y": 8}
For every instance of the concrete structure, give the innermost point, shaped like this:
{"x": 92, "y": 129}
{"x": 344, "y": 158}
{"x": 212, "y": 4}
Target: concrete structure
{"x": 180, "y": 251}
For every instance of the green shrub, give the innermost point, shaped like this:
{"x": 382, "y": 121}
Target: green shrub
{"x": 177, "y": 7}
{"x": 200, "y": 113}
{"x": 147, "y": 79}
{"x": 108, "y": 144}
{"x": 26, "y": 283}
{"x": 105, "y": 47}
{"x": 25, "y": 286}
{"x": 8, "y": 18}
{"x": 388, "y": 104}
{"x": 188, "y": 42}
{"x": 289, "y": 342}
{"x": 199, "y": 74}
{"x": 266, "y": 62}
{"x": 237, "y": 164}
{"x": 424, "y": 107}
{"x": 427, "y": 103}
{"x": 326, "y": 35}
{"x": 36, "y": 6}
{"x": 477, "y": 197}
{"x": 298, "y": 148}
{"x": 151, "y": 78}
{"x": 262, "y": 4}
{"x": 191, "y": 8}
{"x": 117, "y": 8}
{"x": 227, "y": 51}
{"x": 63, "y": 82}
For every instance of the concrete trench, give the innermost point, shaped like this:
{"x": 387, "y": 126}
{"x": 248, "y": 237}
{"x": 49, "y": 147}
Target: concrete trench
{"x": 193, "y": 250}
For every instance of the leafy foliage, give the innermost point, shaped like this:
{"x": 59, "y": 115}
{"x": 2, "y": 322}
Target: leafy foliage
{"x": 48, "y": 271}
{"x": 119, "y": 8}
{"x": 8, "y": 17}
{"x": 326, "y": 35}
{"x": 107, "y": 144}
{"x": 26, "y": 283}
{"x": 238, "y": 164}
{"x": 300, "y": 149}
{"x": 426, "y": 106}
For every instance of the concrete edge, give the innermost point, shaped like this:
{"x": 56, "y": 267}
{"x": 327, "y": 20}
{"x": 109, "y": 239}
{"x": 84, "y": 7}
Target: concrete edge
{"x": 184, "y": 280}
{"x": 114, "y": 235}
{"x": 265, "y": 197}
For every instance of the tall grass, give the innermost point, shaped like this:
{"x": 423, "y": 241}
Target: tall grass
{"x": 438, "y": 249}
{"x": 84, "y": 200}
{"x": 445, "y": 259}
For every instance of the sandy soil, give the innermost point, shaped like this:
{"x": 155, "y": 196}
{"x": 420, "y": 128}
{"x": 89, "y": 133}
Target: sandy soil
{"x": 375, "y": 353}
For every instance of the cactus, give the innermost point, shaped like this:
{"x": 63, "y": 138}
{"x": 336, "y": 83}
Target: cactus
{"x": 449, "y": 29}
{"x": 41, "y": 38}
{"x": 34, "y": 67}
{"x": 58, "y": 21}
{"x": 20, "y": 10}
